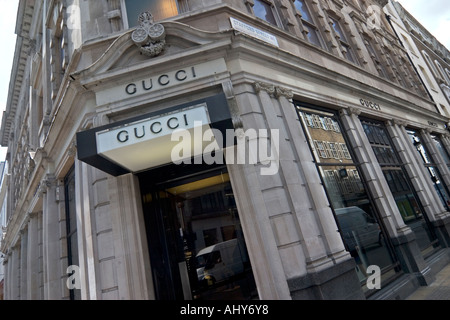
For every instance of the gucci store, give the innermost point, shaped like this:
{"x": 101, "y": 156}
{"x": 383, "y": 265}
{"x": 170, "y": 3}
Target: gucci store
{"x": 356, "y": 184}
{"x": 221, "y": 153}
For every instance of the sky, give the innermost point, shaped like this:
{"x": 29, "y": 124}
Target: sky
{"x": 434, "y": 15}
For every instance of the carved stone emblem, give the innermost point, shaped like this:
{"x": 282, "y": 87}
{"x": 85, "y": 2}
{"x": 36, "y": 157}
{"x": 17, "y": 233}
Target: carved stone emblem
{"x": 149, "y": 36}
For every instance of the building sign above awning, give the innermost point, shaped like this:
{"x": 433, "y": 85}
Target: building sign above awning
{"x": 146, "y": 142}
{"x": 156, "y": 81}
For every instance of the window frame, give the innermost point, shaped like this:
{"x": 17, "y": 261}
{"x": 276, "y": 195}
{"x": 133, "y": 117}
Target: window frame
{"x": 310, "y": 24}
{"x": 71, "y": 231}
{"x": 271, "y": 4}
{"x": 375, "y": 58}
{"x": 341, "y": 37}
{"x": 182, "y": 6}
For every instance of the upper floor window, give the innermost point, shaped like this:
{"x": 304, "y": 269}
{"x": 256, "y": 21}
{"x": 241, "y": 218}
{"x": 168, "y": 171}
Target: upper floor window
{"x": 160, "y": 9}
{"x": 347, "y": 50}
{"x": 309, "y": 26}
{"x": 264, "y": 10}
{"x": 373, "y": 54}
{"x": 442, "y": 72}
{"x": 431, "y": 65}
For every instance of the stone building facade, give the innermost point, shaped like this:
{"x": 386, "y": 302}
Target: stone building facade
{"x": 430, "y": 58}
{"x": 122, "y": 187}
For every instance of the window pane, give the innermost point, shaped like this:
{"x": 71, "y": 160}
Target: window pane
{"x": 71, "y": 227}
{"x": 338, "y": 29}
{"x": 326, "y": 138}
{"x": 435, "y": 176}
{"x": 301, "y": 6}
{"x": 160, "y": 9}
{"x": 441, "y": 149}
{"x": 360, "y": 227}
{"x": 264, "y": 11}
{"x": 399, "y": 184}
{"x": 312, "y": 35}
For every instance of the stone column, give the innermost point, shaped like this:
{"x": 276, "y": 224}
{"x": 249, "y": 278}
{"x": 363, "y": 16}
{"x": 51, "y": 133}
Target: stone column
{"x": 442, "y": 222}
{"x": 373, "y": 175}
{"x": 291, "y": 235}
{"x": 130, "y": 239}
{"x": 15, "y": 273}
{"x": 86, "y": 253}
{"x": 409, "y": 253}
{"x": 402, "y": 237}
{"x": 33, "y": 258}
{"x": 7, "y": 276}
{"x": 23, "y": 264}
{"x": 415, "y": 169}
{"x": 51, "y": 242}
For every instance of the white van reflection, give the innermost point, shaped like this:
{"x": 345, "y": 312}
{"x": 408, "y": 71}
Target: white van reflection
{"x": 358, "y": 228}
{"x": 221, "y": 261}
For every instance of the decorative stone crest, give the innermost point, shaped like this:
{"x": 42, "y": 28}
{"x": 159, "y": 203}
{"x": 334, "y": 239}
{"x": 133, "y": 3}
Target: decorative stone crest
{"x": 149, "y": 36}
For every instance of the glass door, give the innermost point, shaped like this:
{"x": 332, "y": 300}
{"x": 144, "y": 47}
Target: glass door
{"x": 196, "y": 243}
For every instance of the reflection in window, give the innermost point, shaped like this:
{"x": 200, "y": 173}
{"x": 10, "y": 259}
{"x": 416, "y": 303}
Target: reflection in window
{"x": 71, "y": 227}
{"x": 442, "y": 150}
{"x": 399, "y": 185}
{"x": 435, "y": 176}
{"x": 358, "y": 221}
{"x": 196, "y": 242}
{"x": 160, "y": 9}
{"x": 263, "y": 10}
{"x": 308, "y": 23}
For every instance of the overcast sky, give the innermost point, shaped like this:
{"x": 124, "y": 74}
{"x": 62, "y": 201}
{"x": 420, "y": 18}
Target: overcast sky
{"x": 432, "y": 14}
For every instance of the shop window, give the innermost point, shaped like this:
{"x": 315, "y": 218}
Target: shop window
{"x": 264, "y": 10}
{"x": 347, "y": 50}
{"x": 310, "y": 28}
{"x": 400, "y": 186}
{"x": 160, "y": 9}
{"x": 71, "y": 226}
{"x": 439, "y": 187}
{"x": 359, "y": 223}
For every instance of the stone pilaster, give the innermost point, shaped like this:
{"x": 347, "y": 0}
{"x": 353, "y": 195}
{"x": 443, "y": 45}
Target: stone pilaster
{"x": 23, "y": 264}
{"x": 51, "y": 242}
{"x": 33, "y": 261}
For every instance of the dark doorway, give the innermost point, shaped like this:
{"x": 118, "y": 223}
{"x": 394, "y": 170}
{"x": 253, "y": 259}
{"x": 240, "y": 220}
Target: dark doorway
{"x": 196, "y": 243}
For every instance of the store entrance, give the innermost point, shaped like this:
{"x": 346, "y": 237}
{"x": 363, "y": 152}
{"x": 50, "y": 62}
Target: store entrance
{"x": 196, "y": 244}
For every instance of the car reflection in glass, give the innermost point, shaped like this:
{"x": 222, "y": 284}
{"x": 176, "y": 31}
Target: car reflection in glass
{"x": 220, "y": 262}
{"x": 359, "y": 230}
